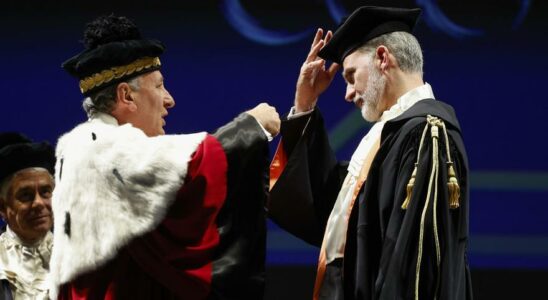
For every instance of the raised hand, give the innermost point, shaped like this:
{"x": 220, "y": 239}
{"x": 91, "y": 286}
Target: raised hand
{"x": 314, "y": 77}
{"x": 267, "y": 116}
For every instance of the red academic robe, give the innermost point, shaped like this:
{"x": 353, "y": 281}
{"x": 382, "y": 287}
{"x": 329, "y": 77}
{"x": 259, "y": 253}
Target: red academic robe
{"x": 174, "y": 260}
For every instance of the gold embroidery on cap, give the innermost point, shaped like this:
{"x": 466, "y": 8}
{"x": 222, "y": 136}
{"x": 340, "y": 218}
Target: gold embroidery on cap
{"x": 108, "y": 75}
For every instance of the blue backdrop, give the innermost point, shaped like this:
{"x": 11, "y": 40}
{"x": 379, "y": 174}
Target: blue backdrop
{"x": 487, "y": 59}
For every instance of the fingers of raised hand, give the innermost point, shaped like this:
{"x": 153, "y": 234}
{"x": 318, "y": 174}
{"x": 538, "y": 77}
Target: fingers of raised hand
{"x": 311, "y": 67}
{"x": 317, "y": 38}
{"x": 333, "y": 69}
{"x": 313, "y": 54}
{"x": 328, "y": 36}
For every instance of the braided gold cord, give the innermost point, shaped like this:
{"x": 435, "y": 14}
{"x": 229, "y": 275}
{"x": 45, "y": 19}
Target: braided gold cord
{"x": 108, "y": 75}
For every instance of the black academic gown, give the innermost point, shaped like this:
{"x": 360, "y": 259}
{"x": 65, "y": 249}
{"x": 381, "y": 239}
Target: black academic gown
{"x": 239, "y": 266}
{"x": 381, "y": 250}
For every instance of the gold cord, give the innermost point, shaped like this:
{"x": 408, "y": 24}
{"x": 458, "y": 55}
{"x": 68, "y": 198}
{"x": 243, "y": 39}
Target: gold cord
{"x": 435, "y": 123}
{"x": 411, "y": 182}
{"x": 110, "y": 74}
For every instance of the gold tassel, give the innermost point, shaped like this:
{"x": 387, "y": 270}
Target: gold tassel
{"x": 410, "y": 186}
{"x": 454, "y": 188}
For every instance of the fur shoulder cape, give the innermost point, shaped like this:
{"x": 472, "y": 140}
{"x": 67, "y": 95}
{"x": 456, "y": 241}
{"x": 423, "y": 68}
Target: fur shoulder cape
{"x": 113, "y": 183}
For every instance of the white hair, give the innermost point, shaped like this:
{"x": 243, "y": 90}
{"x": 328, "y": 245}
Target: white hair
{"x": 5, "y": 184}
{"x": 404, "y": 46}
{"x": 105, "y": 99}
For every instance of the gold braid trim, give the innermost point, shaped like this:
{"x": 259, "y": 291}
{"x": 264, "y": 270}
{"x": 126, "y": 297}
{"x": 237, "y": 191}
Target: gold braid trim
{"x": 434, "y": 122}
{"x": 452, "y": 183}
{"x": 454, "y": 193}
{"x": 108, "y": 75}
{"x": 411, "y": 183}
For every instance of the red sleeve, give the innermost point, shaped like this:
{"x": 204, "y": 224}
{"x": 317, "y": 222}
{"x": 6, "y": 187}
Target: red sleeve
{"x": 181, "y": 248}
{"x": 174, "y": 260}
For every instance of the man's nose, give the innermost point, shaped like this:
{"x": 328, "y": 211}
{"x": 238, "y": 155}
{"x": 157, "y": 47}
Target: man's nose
{"x": 168, "y": 100}
{"x": 39, "y": 200}
{"x": 350, "y": 93}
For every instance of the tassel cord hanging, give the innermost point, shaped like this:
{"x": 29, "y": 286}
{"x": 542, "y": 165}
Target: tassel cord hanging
{"x": 452, "y": 182}
{"x": 411, "y": 182}
{"x": 432, "y": 183}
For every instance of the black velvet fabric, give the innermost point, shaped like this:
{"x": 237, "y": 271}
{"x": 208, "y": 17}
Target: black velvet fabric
{"x": 239, "y": 264}
{"x": 111, "y": 41}
{"x": 17, "y": 153}
{"x": 5, "y": 291}
{"x": 314, "y": 176}
{"x": 364, "y": 24}
{"x": 109, "y": 55}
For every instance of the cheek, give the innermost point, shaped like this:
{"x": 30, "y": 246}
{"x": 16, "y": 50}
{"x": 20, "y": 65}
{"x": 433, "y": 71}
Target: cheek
{"x": 361, "y": 82}
{"x": 19, "y": 216}
{"x": 47, "y": 205}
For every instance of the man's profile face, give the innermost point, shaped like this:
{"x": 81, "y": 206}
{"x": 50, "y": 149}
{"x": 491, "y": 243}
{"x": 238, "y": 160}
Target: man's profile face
{"x": 28, "y": 204}
{"x": 364, "y": 84}
{"x": 152, "y": 101}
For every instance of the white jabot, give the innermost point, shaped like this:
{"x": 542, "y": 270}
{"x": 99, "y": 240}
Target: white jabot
{"x": 103, "y": 118}
{"x": 335, "y": 232}
{"x": 25, "y": 266}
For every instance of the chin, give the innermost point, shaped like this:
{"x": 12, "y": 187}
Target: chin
{"x": 42, "y": 225}
{"x": 370, "y": 115}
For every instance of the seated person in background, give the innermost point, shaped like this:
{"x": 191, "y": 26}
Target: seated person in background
{"x": 26, "y": 185}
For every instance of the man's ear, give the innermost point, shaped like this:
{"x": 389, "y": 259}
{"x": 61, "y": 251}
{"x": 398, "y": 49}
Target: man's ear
{"x": 124, "y": 96}
{"x": 383, "y": 58}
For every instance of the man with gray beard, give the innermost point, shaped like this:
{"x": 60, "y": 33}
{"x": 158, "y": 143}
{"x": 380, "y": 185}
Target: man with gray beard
{"x": 393, "y": 222}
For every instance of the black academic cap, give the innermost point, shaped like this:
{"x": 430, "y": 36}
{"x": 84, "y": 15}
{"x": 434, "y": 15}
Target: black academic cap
{"x": 115, "y": 52}
{"x": 17, "y": 152}
{"x": 364, "y": 24}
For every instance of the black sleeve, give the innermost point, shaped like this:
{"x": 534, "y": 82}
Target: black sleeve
{"x": 238, "y": 265}
{"x": 243, "y": 141}
{"x": 5, "y": 290}
{"x": 302, "y": 198}
{"x": 443, "y": 273}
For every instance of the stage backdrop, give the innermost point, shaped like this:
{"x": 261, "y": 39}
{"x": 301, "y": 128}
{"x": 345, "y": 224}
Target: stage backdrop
{"x": 488, "y": 59}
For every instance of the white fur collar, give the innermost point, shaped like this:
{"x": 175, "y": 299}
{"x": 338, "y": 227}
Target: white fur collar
{"x": 113, "y": 183}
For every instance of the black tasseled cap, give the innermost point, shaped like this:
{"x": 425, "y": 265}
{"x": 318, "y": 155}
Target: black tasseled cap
{"x": 110, "y": 42}
{"x": 364, "y": 24}
{"x": 17, "y": 152}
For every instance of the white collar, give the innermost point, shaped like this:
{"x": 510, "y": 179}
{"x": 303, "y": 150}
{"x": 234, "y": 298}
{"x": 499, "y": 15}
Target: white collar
{"x": 407, "y": 100}
{"x": 103, "y": 118}
{"x": 404, "y": 103}
{"x": 17, "y": 240}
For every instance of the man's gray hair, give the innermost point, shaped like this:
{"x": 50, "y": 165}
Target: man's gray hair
{"x": 5, "y": 184}
{"x": 404, "y": 46}
{"x": 103, "y": 101}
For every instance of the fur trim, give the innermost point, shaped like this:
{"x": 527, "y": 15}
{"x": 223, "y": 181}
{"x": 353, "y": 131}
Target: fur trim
{"x": 113, "y": 183}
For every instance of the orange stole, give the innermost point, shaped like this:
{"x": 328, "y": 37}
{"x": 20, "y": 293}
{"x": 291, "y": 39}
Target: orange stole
{"x": 278, "y": 164}
{"x": 322, "y": 263}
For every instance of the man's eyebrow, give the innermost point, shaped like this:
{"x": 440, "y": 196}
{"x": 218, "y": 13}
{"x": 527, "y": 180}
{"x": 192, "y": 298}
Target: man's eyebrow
{"x": 24, "y": 189}
{"x": 348, "y": 72}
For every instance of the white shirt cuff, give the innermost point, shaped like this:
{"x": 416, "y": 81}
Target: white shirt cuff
{"x": 268, "y": 135}
{"x": 292, "y": 114}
